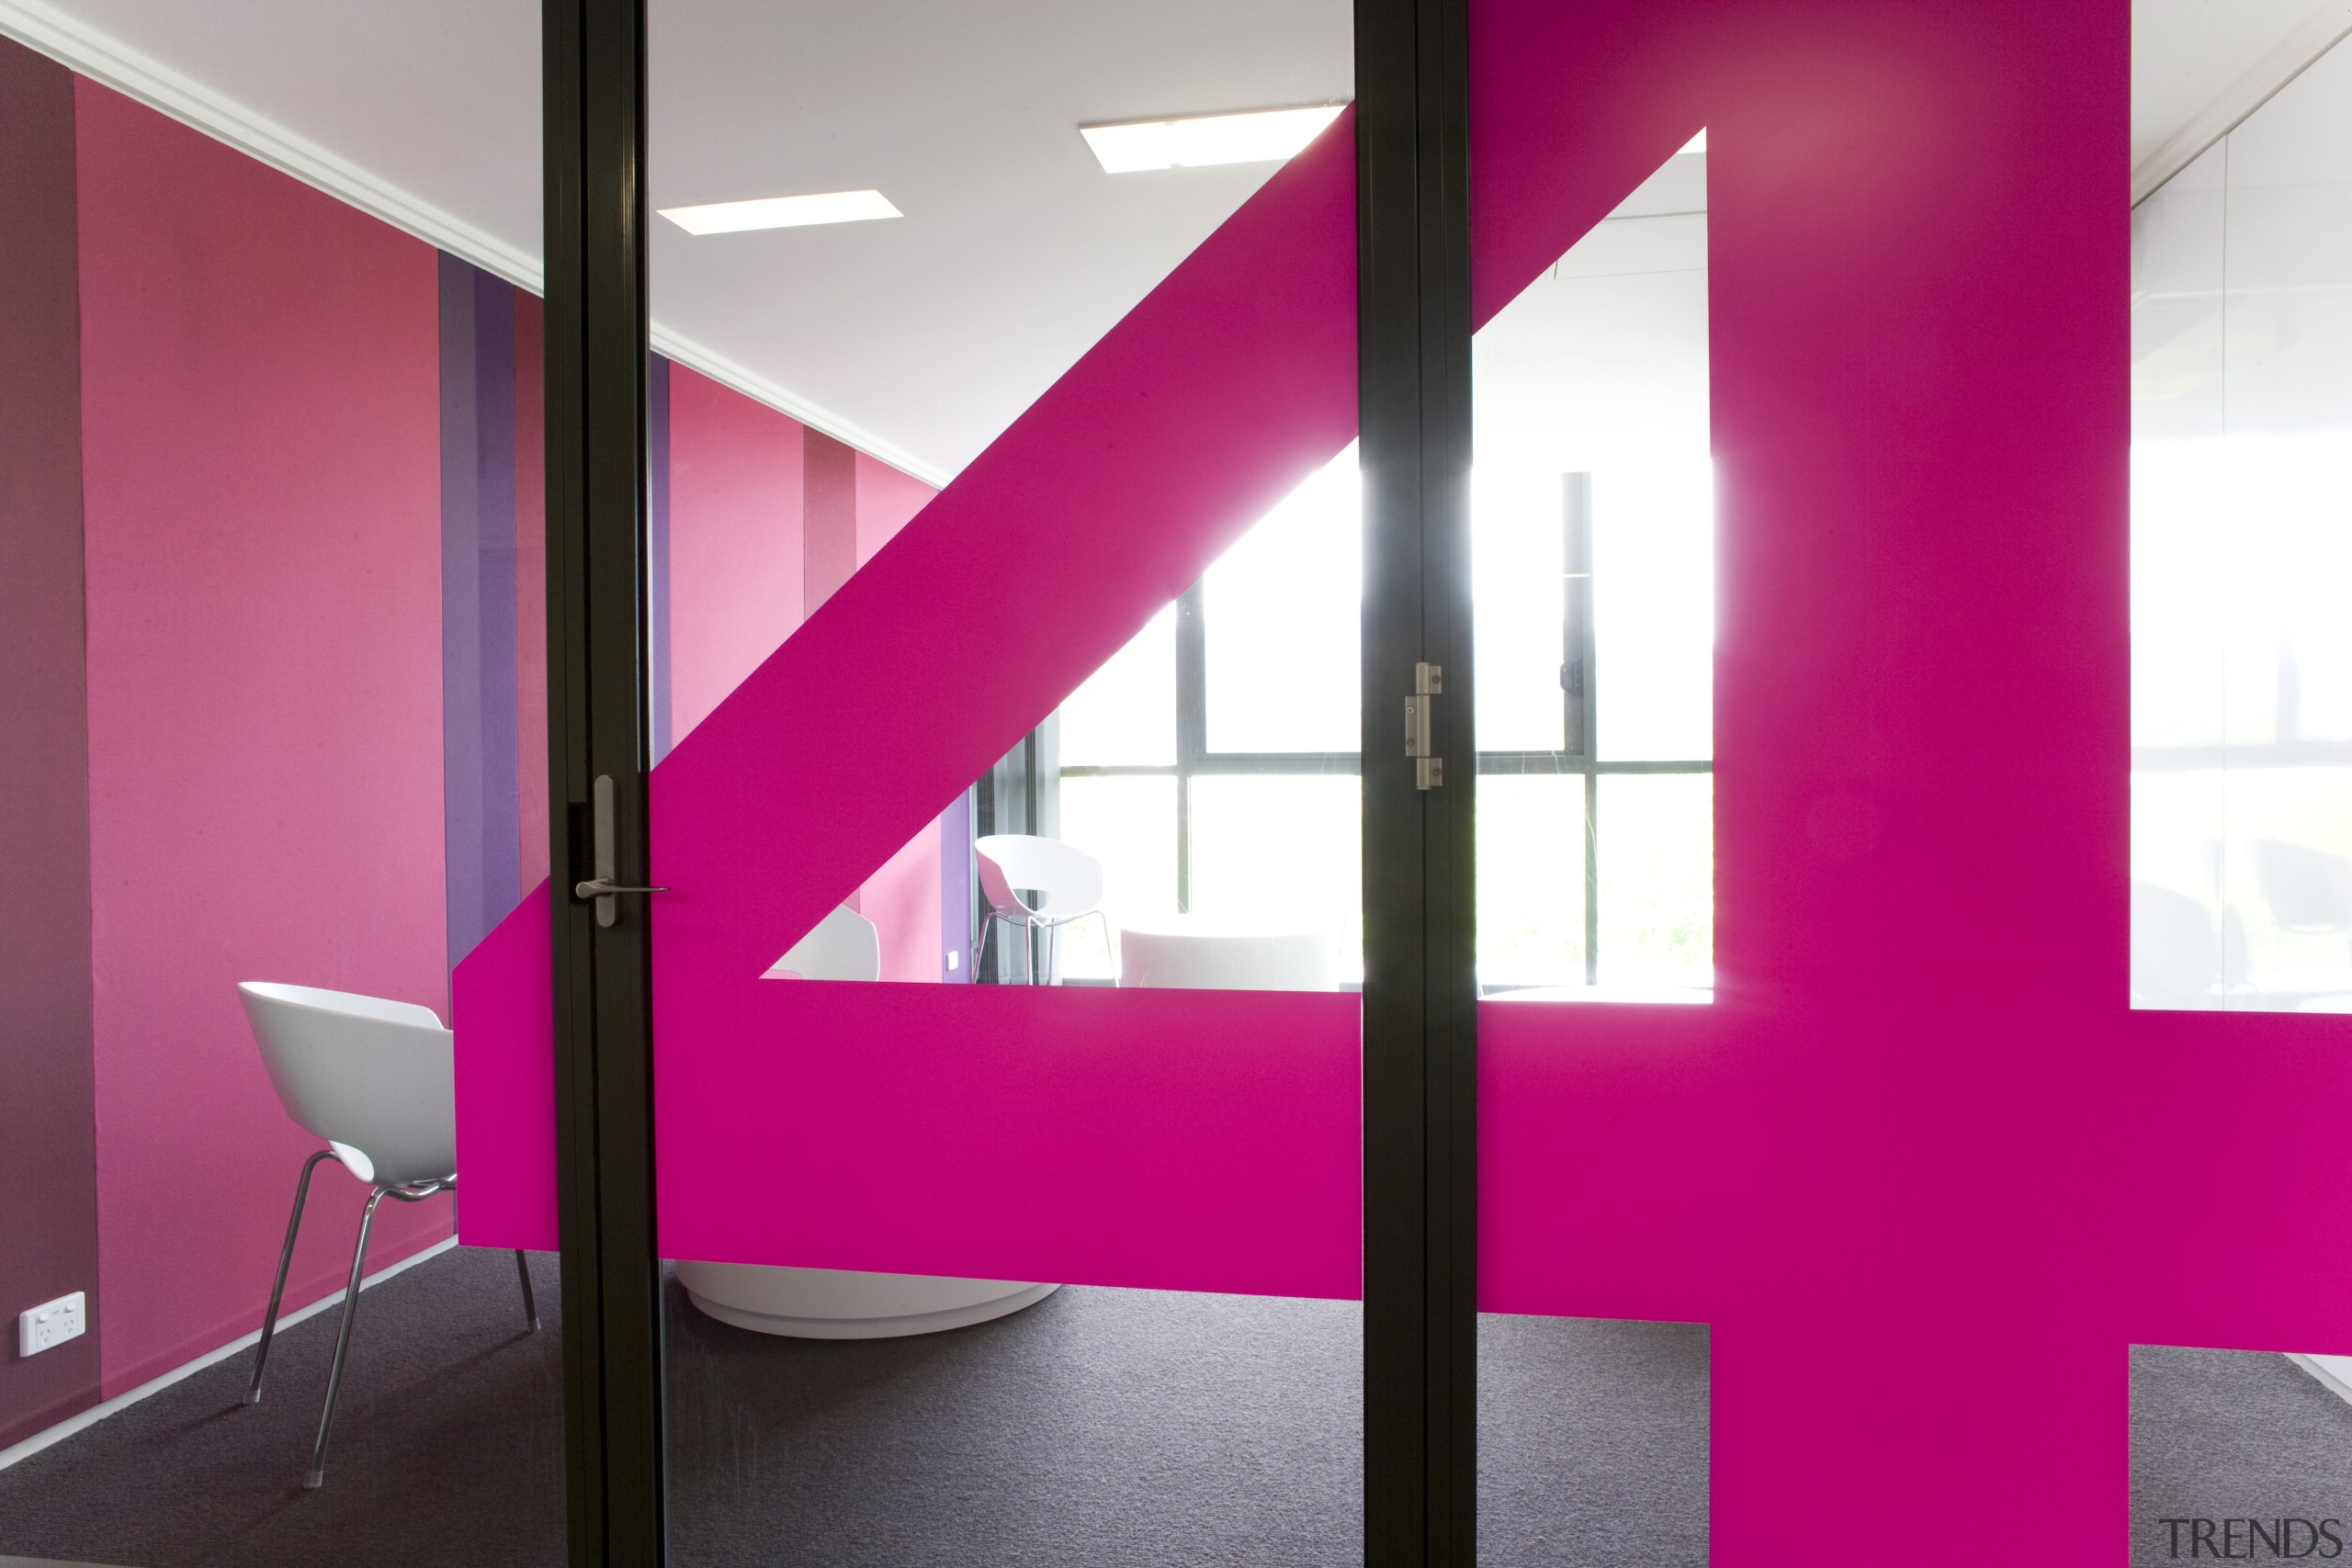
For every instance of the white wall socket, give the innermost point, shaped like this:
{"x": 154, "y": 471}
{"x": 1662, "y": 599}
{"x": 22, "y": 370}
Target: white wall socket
{"x": 50, "y": 1325}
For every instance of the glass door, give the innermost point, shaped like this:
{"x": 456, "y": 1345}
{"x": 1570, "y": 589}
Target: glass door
{"x": 1003, "y": 617}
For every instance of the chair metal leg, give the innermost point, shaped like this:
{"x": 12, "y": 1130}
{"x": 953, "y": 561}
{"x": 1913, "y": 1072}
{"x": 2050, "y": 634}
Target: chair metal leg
{"x": 1108, "y": 950}
{"x": 530, "y": 1301}
{"x": 277, "y": 1286}
{"x": 317, "y": 1473}
{"x": 980, "y": 945}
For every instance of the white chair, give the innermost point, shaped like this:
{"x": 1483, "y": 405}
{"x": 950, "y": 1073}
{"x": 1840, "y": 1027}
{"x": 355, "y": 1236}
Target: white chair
{"x": 375, "y": 1079}
{"x": 842, "y": 947}
{"x": 1205, "y": 953}
{"x": 840, "y": 1304}
{"x": 1068, "y": 882}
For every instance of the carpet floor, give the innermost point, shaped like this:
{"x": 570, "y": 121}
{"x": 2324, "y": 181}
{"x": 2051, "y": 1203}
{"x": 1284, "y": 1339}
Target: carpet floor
{"x": 2233, "y": 1434}
{"x": 1098, "y": 1427}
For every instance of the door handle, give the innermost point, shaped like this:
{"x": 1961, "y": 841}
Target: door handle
{"x": 602, "y": 887}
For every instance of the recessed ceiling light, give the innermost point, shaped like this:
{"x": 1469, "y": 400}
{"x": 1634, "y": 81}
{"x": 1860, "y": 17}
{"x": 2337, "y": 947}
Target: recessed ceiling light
{"x": 1696, "y": 144}
{"x": 1259, "y": 135}
{"x": 782, "y": 212}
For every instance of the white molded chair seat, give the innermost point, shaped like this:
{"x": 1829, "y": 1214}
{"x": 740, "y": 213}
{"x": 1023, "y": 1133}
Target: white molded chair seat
{"x": 1206, "y": 953}
{"x": 375, "y": 1079}
{"x": 1067, "y": 881}
{"x": 842, "y": 947}
{"x": 840, "y": 1304}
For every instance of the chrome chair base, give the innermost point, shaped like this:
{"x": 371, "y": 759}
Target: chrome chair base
{"x": 1031, "y": 930}
{"x": 413, "y": 1193}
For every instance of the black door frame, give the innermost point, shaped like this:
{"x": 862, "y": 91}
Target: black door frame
{"x": 599, "y": 671}
{"x": 1420, "y": 992}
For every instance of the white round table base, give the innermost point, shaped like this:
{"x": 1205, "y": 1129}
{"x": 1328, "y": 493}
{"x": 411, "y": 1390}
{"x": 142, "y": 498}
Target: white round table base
{"x": 827, "y": 1303}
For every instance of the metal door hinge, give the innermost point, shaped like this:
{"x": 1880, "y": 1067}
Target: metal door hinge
{"x": 602, "y": 887}
{"x": 1428, "y": 681}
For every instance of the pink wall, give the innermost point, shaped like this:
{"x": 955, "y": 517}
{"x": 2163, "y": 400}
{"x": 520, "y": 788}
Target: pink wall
{"x": 887, "y": 501}
{"x": 828, "y": 518}
{"x": 261, "y": 446}
{"x": 767, "y": 519}
{"x": 49, "y": 1233}
{"x": 735, "y": 540}
{"x": 903, "y": 897}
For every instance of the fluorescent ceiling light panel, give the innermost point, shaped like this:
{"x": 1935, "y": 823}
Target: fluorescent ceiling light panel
{"x": 782, "y": 212}
{"x": 1259, "y": 135}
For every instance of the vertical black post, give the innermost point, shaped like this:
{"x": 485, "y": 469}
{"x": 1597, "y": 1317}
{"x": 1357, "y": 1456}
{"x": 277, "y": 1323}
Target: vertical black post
{"x": 1192, "y": 724}
{"x": 1421, "y": 989}
{"x": 593, "y": 61}
{"x": 1580, "y": 681}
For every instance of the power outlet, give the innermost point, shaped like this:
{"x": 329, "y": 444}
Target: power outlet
{"x": 50, "y": 1325}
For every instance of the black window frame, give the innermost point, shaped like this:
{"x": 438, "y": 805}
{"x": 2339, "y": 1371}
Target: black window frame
{"x": 1581, "y": 690}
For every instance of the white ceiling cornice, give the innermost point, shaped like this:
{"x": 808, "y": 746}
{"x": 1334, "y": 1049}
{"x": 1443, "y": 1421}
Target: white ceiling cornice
{"x": 2285, "y": 61}
{"x": 104, "y": 60}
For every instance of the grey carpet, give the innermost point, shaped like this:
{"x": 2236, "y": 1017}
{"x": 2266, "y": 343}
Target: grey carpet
{"x": 2223, "y": 1434}
{"x": 1098, "y": 1427}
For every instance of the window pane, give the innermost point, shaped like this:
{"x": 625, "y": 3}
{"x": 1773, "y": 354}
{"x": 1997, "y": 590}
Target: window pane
{"x": 1658, "y": 879}
{"x": 1128, "y": 824}
{"x": 1531, "y": 880}
{"x": 2287, "y": 889}
{"x": 1283, "y": 612}
{"x": 1125, "y": 713}
{"x": 1521, "y": 610}
{"x": 2242, "y": 564}
{"x": 1653, "y": 597}
{"x": 1599, "y": 368}
{"x": 1283, "y": 851}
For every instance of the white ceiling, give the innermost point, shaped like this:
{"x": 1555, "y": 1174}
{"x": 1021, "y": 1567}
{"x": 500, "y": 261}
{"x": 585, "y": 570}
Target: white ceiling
{"x": 929, "y": 332}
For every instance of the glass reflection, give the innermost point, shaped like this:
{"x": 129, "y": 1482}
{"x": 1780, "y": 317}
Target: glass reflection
{"x": 1592, "y": 515}
{"x": 2241, "y": 560}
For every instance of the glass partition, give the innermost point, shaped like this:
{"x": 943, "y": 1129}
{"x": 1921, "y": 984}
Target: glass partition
{"x": 1593, "y": 528}
{"x": 938, "y": 1295}
{"x": 1593, "y": 515}
{"x": 1217, "y": 754}
{"x": 2242, "y": 663}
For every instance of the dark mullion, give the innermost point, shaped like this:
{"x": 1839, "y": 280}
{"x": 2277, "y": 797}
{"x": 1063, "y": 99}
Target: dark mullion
{"x": 1192, "y": 724}
{"x": 594, "y": 60}
{"x": 1591, "y": 878}
{"x": 1552, "y": 762}
{"x": 1421, "y": 990}
{"x": 1538, "y": 763}
{"x": 1301, "y": 762}
{"x": 1580, "y": 682}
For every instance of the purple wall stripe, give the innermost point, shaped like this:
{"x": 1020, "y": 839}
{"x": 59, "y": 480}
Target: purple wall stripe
{"x": 49, "y": 1231}
{"x": 480, "y": 764}
{"x": 657, "y": 529}
{"x": 955, "y": 897}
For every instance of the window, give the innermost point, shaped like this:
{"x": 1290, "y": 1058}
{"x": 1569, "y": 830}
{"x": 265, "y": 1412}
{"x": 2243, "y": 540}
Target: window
{"x": 2242, "y": 565}
{"x": 1212, "y": 764}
